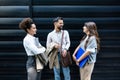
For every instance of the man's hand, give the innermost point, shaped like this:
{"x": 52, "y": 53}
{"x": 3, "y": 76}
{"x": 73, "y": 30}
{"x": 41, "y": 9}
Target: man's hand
{"x": 57, "y": 46}
{"x": 64, "y": 52}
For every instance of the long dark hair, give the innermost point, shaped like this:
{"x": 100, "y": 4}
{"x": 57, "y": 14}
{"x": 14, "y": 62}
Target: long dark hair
{"x": 91, "y": 26}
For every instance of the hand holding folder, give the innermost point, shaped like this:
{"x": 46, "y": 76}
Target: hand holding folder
{"x": 78, "y": 55}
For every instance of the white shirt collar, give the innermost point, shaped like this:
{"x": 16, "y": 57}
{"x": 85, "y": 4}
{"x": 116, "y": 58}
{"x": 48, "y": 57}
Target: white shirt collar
{"x": 56, "y": 31}
{"x": 30, "y": 36}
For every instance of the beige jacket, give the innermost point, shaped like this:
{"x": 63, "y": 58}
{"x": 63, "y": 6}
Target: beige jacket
{"x": 52, "y": 55}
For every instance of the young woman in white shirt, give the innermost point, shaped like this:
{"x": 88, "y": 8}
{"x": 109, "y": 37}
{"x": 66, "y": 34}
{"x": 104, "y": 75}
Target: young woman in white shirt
{"x": 32, "y": 48}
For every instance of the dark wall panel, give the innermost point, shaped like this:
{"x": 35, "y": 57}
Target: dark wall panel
{"x": 77, "y": 23}
{"x": 70, "y": 23}
{"x": 13, "y": 2}
{"x": 76, "y": 11}
{"x": 14, "y": 11}
{"x": 76, "y": 2}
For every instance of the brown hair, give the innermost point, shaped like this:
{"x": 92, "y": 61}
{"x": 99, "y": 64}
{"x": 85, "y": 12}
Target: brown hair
{"x": 91, "y": 26}
{"x": 26, "y": 24}
{"x": 57, "y": 18}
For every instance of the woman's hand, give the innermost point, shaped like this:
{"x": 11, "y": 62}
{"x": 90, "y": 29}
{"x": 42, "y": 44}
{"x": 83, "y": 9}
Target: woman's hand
{"x": 77, "y": 63}
{"x": 74, "y": 58}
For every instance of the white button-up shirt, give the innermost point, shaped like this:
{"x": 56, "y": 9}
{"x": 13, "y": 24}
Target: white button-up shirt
{"x": 32, "y": 45}
{"x": 57, "y": 37}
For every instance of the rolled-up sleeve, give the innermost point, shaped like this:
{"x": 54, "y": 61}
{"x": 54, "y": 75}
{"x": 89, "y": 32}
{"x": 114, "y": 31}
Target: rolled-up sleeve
{"x": 92, "y": 45}
{"x": 67, "y": 39}
{"x": 31, "y": 46}
{"x": 49, "y": 40}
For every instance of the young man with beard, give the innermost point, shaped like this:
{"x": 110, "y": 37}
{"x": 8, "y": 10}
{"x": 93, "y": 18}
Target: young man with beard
{"x": 56, "y": 37}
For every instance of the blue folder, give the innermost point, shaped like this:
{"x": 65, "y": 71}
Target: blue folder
{"x": 78, "y": 55}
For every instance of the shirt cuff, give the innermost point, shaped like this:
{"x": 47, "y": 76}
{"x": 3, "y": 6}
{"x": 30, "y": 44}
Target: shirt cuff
{"x": 91, "y": 50}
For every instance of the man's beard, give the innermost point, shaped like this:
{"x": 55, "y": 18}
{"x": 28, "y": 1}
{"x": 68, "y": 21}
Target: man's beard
{"x": 60, "y": 28}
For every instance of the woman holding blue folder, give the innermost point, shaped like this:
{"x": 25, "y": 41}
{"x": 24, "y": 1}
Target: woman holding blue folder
{"x": 90, "y": 45}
